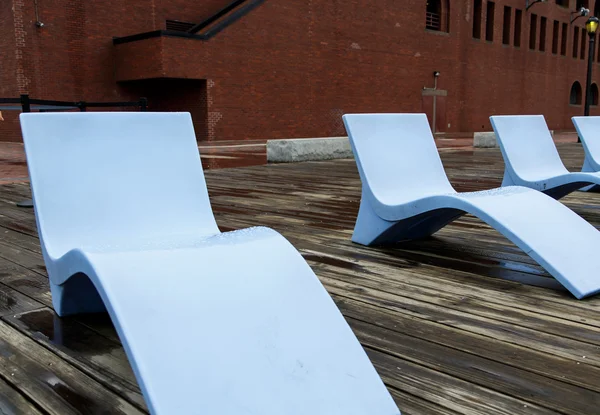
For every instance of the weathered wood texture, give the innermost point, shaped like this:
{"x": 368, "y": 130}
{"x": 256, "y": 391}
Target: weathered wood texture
{"x": 445, "y": 326}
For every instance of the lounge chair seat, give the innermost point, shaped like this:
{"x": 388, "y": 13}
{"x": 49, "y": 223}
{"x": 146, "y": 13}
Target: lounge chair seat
{"x": 406, "y": 195}
{"x": 588, "y": 129}
{"x": 531, "y": 159}
{"x": 212, "y": 323}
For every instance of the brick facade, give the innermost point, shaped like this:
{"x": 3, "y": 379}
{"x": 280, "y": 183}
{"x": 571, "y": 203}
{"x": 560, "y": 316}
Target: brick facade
{"x": 291, "y": 68}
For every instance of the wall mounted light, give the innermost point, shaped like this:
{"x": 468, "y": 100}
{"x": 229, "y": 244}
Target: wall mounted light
{"x": 582, "y": 12}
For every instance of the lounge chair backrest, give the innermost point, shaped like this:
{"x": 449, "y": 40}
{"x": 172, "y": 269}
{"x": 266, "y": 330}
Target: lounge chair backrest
{"x": 527, "y": 146}
{"x": 396, "y": 155}
{"x": 588, "y": 129}
{"x": 102, "y": 179}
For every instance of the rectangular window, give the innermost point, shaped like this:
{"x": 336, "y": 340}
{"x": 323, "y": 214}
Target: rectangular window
{"x": 489, "y": 21}
{"x": 563, "y": 3}
{"x": 582, "y": 3}
{"x": 582, "y": 52}
{"x": 555, "y": 28}
{"x": 506, "y": 26}
{"x": 543, "y": 34}
{"x": 477, "y": 19}
{"x": 533, "y": 32}
{"x": 575, "y": 41}
{"x": 563, "y": 40}
{"x": 517, "y": 36}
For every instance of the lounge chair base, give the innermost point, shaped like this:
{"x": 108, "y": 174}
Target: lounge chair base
{"x": 543, "y": 228}
{"x": 587, "y": 168}
{"x": 556, "y": 192}
{"x": 372, "y": 230}
{"x": 77, "y": 295}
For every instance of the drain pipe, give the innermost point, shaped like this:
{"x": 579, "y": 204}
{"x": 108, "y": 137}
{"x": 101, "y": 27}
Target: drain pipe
{"x": 436, "y": 74}
{"x": 38, "y": 23}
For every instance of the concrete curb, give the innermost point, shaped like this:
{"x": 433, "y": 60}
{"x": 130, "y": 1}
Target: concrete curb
{"x": 487, "y": 139}
{"x": 308, "y": 149}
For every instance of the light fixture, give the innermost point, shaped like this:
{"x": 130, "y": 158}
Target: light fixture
{"x": 436, "y": 74}
{"x": 592, "y": 25}
{"x": 582, "y": 12}
{"x": 530, "y": 4}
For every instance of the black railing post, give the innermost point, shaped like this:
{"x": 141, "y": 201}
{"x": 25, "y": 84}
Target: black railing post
{"x": 143, "y": 104}
{"x": 25, "y": 104}
{"x": 588, "y": 81}
{"x": 26, "y": 107}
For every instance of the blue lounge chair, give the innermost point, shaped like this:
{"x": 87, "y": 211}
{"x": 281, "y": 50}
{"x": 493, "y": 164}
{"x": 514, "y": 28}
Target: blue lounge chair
{"x": 212, "y": 323}
{"x": 588, "y": 129}
{"x": 406, "y": 195}
{"x": 531, "y": 158}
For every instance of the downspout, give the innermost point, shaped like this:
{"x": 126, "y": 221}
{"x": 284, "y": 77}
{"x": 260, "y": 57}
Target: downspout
{"x": 38, "y": 23}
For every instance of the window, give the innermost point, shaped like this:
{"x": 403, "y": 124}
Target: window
{"x": 575, "y": 96}
{"x": 517, "y": 36}
{"x": 437, "y": 15}
{"x": 597, "y": 8}
{"x": 533, "y": 31}
{"x": 506, "y": 26}
{"x": 477, "y": 19}
{"x": 594, "y": 95}
{"x": 489, "y": 21}
{"x": 563, "y": 3}
{"x": 575, "y": 41}
{"x": 582, "y": 53}
{"x": 563, "y": 40}
{"x": 555, "y": 28}
{"x": 543, "y": 34}
{"x": 582, "y": 3}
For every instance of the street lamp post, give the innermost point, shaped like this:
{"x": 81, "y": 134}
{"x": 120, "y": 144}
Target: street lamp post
{"x": 591, "y": 26}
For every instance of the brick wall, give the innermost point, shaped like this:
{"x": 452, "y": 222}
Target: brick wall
{"x": 291, "y": 69}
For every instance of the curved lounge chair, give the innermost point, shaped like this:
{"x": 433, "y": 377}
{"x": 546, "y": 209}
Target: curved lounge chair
{"x": 588, "y": 129}
{"x": 212, "y": 323}
{"x": 531, "y": 158}
{"x": 406, "y": 194}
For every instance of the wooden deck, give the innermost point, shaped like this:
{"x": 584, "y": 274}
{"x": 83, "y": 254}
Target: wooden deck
{"x": 444, "y": 332}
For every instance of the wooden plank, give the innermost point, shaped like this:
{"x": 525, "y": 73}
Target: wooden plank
{"x": 101, "y": 358}
{"x": 56, "y": 386}
{"x": 552, "y": 367}
{"x": 446, "y": 391}
{"x": 578, "y": 352}
{"x": 502, "y": 378}
{"x": 13, "y": 403}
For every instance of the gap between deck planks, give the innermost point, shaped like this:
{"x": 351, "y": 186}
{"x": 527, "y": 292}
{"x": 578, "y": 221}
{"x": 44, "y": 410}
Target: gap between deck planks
{"x": 445, "y": 334}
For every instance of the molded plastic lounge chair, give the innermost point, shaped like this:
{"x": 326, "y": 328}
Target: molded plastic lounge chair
{"x": 406, "y": 195}
{"x": 588, "y": 129}
{"x": 212, "y": 323}
{"x": 531, "y": 158}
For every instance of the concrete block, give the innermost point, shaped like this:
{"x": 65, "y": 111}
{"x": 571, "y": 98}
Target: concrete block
{"x": 308, "y": 149}
{"x": 484, "y": 140}
{"x": 487, "y": 139}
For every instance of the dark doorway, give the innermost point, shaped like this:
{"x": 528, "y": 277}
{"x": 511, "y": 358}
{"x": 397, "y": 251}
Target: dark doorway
{"x": 175, "y": 94}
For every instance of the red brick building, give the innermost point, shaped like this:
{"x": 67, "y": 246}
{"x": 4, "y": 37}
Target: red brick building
{"x": 291, "y": 68}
